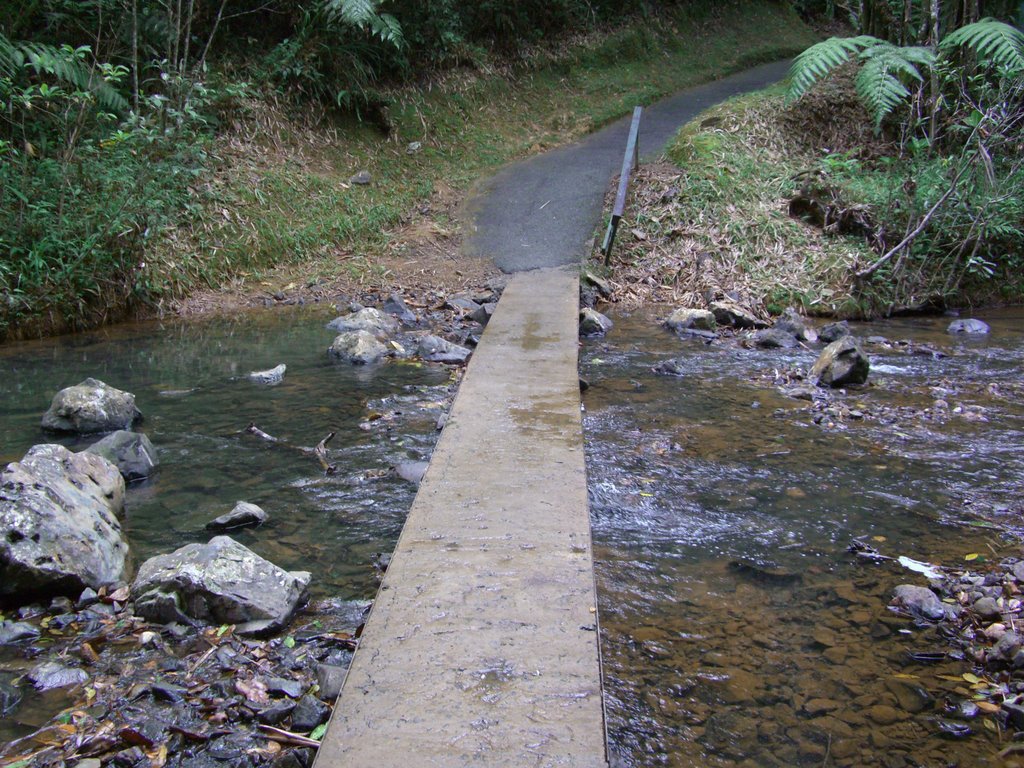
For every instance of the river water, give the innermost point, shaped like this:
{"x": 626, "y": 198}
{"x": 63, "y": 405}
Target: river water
{"x": 736, "y": 629}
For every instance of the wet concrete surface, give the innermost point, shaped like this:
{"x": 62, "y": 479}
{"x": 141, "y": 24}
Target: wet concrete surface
{"x": 543, "y": 212}
{"x": 482, "y": 646}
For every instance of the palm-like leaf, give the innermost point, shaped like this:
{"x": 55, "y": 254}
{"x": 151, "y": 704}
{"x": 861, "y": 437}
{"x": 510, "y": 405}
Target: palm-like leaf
{"x": 878, "y": 84}
{"x": 992, "y": 40}
{"x": 820, "y": 59}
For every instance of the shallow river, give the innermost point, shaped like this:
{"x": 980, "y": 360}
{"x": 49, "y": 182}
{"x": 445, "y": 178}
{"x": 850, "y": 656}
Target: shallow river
{"x": 789, "y": 657}
{"x": 736, "y": 628}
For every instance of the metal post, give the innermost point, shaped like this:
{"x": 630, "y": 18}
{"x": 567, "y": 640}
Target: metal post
{"x": 629, "y": 162}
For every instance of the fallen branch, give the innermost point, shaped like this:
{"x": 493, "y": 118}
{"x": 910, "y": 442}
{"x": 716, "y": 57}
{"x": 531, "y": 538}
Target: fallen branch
{"x": 320, "y": 450}
{"x": 864, "y": 273}
{"x": 287, "y": 737}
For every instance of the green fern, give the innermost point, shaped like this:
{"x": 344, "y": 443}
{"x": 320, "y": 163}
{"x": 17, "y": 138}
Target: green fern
{"x": 990, "y": 40}
{"x": 61, "y": 63}
{"x": 363, "y": 14}
{"x": 881, "y": 82}
{"x": 820, "y": 59}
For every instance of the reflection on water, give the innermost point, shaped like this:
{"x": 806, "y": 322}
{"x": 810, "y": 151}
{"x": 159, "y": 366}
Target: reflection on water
{"x": 189, "y": 382}
{"x": 736, "y": 630}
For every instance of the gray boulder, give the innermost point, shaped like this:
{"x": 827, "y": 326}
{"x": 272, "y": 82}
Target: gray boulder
{"x": 270, "y": 377}
{"x": 50, "y": 675}
{"x": 380, "y": 324}
{"x": 774, "y": 338}
{"x": 483, "y": 314}
{"x": 131, "y": 452}
{"x": 919, "y": 601}
{"x": 729, "y": 313}
{"x": 59, "y": 528}
{"x": 834, "y": 331}
{"x": 396, "y": 307}
{"x": 593, "y": 323}
{"x": 357, "y": 347}
{"x": 243, "y": 515}
{"x": 684, "y": 319}
{"x": 221, "y": 582}
{"x": 842, "y": 363}
{"x": 412, "y": 471}
{"x": 792, "y": 323}
{"x": 91, "y": 406}
{"x": 434, "y": 349}
{"x": 16, "y": 631}
{"x": 970, "y": 326}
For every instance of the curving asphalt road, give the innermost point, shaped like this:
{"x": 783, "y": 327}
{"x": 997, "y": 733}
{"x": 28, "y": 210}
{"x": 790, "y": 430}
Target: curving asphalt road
{"x": 542, "y": 212}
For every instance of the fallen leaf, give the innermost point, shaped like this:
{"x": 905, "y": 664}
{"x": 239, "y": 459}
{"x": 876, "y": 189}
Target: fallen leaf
{"x": 970, "y": 677}
{"x": 971, "y": 556}
{"x": 987, "y": 706}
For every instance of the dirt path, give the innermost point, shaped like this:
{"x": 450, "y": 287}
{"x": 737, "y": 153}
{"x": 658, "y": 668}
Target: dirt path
{"x": 542, "y": 212}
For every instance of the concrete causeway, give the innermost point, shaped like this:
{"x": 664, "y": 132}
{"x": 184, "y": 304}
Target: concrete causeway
{"x": 482, "y": 646}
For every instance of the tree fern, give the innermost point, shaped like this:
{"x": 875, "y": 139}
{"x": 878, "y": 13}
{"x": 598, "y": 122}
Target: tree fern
{"x": 991, "y": 40}
{"x": 61, "y": 63}
{"x": 881, "y": 82}
{"x": 820, "y": 59}
{"x": 363, "y": 14}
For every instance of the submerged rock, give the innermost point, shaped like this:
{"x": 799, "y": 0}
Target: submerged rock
{"x": 358, "y": 348}
{"x": 59, "y": 528}
{"x": 221, "y": 582}
{"x": 731, "y": 314}
{"x": 91, "y": 406}
{"x": 242, "y": 516}
{"x": 434, "y": 349}
{"x": 842, "y": 363}
{"x": 970, "y": 326}
{"x": 919, "y": 601}
{"x": 684, "y": 319}
{"x": 131, "y": 452}
{"x": 593, "y": 323}
{"x": 270, "y": 377}
{"x": 674, "y": 367}
{"x": 412, "y": 471}
{"x": 381, "y": 325}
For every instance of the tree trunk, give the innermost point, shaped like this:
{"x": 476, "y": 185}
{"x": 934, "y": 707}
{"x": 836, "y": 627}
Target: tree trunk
{"x": 933, "y": 41}
{"x": 135, "y": 56}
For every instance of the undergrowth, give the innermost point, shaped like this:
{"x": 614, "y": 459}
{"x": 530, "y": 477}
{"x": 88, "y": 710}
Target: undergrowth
{"x": 282, "y": 198}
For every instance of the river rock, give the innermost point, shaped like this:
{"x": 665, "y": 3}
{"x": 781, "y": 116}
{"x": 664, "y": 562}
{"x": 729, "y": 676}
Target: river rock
{"x": 434, "y": 349}
{"x": 10, "y": 694}
{"x": 685, "y": 318}
{"x": 1007, "y": 647}
{"x": 834, "y": 331}
{"x": 910, "y": 696}
{"x": 91, "y": 406}
{"x": 986, "y": 608}
{"x": 396, "y": 307}
{"x": 841, "y": 364}
{"x": 604, "y": 288}
{"x": 221, "y": 582}
{"x": 59, "y": 528}
{"x": 919, "y": 601}
{"x": 363, "y": 178}
{"x": 793, "y": 323}
{"x": 674, "y": 367}
{"x": 358, "y": 348}
{"x": 330, "y": 678}
{"x": 731, "y": 314}
{"x": 462, "y": 303}
{"x": 131, "y": 452}
{"x": 50, "y": 675}
{"x": 482, "y": 314}
{"x": 16, "y": 632}
{"x": 271, "y": 377}
{"x": 970, "y": 326}
{"x": 774, "y": 338}
{"x": 381, "y": 325}
{"x": 593, "y": 323}
{"x": 412, "y": 471}
{"x": 309, "y": 713}
{"x": 242, "y": 516}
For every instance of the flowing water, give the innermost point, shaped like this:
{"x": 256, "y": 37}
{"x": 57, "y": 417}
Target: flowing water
{"x": 737, "y": 631}
{"x": 736, "y": 628}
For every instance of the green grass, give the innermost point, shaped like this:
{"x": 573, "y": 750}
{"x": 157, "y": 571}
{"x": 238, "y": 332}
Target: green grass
{"x": 469, "y": 123}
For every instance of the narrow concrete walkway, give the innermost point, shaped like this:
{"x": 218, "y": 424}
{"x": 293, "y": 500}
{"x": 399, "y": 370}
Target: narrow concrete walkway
{"x": 482, "y": 649}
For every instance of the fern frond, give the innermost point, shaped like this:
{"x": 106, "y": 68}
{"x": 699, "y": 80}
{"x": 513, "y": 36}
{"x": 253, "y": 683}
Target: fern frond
{"x": 878, "y": 85}
{"x": 989, "y": 39}
{"x": 820, "y": 59}
{"x": 60, "y": 63}
{"x": 388, "y": 29}
{"x": 356, "y": 13}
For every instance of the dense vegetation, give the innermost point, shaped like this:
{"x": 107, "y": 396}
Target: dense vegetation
{"x": 112, "y": 114}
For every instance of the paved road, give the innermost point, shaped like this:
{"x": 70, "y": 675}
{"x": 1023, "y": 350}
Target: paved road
{"x": 543, "y": 212}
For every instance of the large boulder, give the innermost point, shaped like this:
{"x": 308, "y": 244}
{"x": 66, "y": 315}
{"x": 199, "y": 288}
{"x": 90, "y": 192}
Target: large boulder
{"x": 131, "y": 452}
{"x": 91, "y": 406}
{"x": 434, "y": 349}
{"x": 729, "y": 313}
{"x": 593, "y": 323}
{"x": 685, "y": 319}
{"x": 381, "y": 325}
{"x": 357, "y": 347}
{"x": 792, "y": 323}
{"x": 969, "y": 326}
{"x": 59, "y": 528}
{"x": 841, "y": 364}
{"x": 221, "y": 582}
